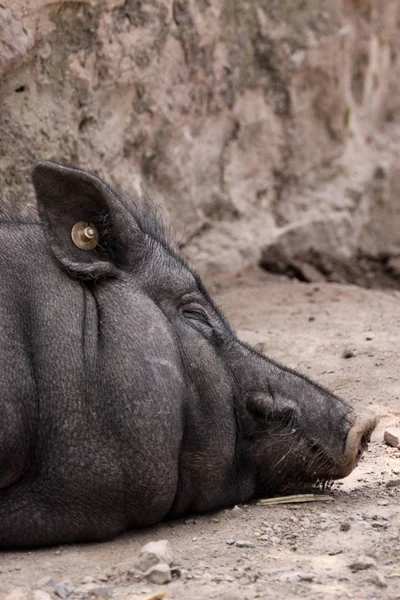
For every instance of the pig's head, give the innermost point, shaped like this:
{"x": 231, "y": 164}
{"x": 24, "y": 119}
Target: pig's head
{"x": 308, "y": 434}
{"x": 244, "y": 424}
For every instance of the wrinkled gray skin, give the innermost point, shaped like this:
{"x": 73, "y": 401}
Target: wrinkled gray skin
{"x": 125, "y": 397}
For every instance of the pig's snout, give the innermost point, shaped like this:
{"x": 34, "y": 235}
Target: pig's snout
{"x": 357, "y": 441}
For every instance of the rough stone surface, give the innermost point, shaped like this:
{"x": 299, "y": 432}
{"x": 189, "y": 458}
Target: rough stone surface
{"x": 102, "y": 592}
{"x": 393, "y": 483}
{"x": 251, "y": 123}
{"x": 244, "y": 544}
{"x": 46, "y": 582}
{"x": 62, "y": 591}
{"x": 378, "y": 579}
{"x": 362, "y": 563}
{"x": 159, "y": 574}
{"x": 392, "y": 436}
{"x": 154, "y": 553}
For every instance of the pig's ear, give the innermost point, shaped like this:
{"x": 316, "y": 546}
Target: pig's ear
{"x": 85, "y": 224}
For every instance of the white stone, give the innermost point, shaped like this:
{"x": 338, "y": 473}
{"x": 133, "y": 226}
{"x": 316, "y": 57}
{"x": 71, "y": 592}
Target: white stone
{"x": 154, "y": 553}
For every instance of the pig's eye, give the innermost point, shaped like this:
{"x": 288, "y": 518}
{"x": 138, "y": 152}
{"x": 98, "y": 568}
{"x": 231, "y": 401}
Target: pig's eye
{"x": 197, "y": 314}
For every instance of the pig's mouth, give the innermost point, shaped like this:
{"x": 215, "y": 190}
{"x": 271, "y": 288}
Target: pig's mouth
{"x": 318, "y": 469}
{"x": 356, "y": 444}
{"x": 322, "y": 469}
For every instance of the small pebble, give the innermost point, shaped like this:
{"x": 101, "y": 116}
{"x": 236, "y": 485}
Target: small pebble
{"x": 62, "y": 592}
{"x": 308, "y": 578}
{"x": 85, "y": 589}
{"x": 102, "y": 592}
{"x": 348, "y": 353}
{"x": 355, "y": 517}
{"x": 345, "y": 526}
{"x": 392, "y": 437}
{"x": 236, "y": 511}
{"x": 378, "y": 579}
{"x": 379, "y": 525}
{"x": 46, "y": 582}
{"x": 363, "y": 563}
{"x": 244, "y": 544}
{"x": 275, "y": 539}
{"x": 154, "y": 553}
{"x": 159, "y": 574}
{"x": 290, "y": 577}
{"x": 393, "y": 483}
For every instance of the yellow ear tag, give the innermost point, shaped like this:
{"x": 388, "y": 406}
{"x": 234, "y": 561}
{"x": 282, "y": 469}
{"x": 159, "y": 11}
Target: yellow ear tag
{"x": 84, "y": 235}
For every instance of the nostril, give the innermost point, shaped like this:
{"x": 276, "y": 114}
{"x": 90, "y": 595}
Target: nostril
{"x": 362, "y": 448}
{"x": 364, "y": 441}
{"x": 363, "y": 445}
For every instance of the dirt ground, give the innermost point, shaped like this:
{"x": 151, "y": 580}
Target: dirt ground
{"x": 295, "y": 551}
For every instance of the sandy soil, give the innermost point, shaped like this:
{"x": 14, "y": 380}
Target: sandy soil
{"x": 300, "y": 550}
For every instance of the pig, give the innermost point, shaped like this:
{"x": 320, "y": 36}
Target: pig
{"x": 125, "y": 396}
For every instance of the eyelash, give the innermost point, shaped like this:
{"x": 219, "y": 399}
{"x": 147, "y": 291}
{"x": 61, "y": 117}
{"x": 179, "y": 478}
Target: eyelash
{"x": 197, "y": 314}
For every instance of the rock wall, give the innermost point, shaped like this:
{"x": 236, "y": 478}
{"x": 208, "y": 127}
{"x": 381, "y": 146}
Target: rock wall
{"x": 255, "y": 124}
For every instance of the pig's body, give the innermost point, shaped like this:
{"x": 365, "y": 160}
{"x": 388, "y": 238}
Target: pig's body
{"x": 125, "y": 397}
